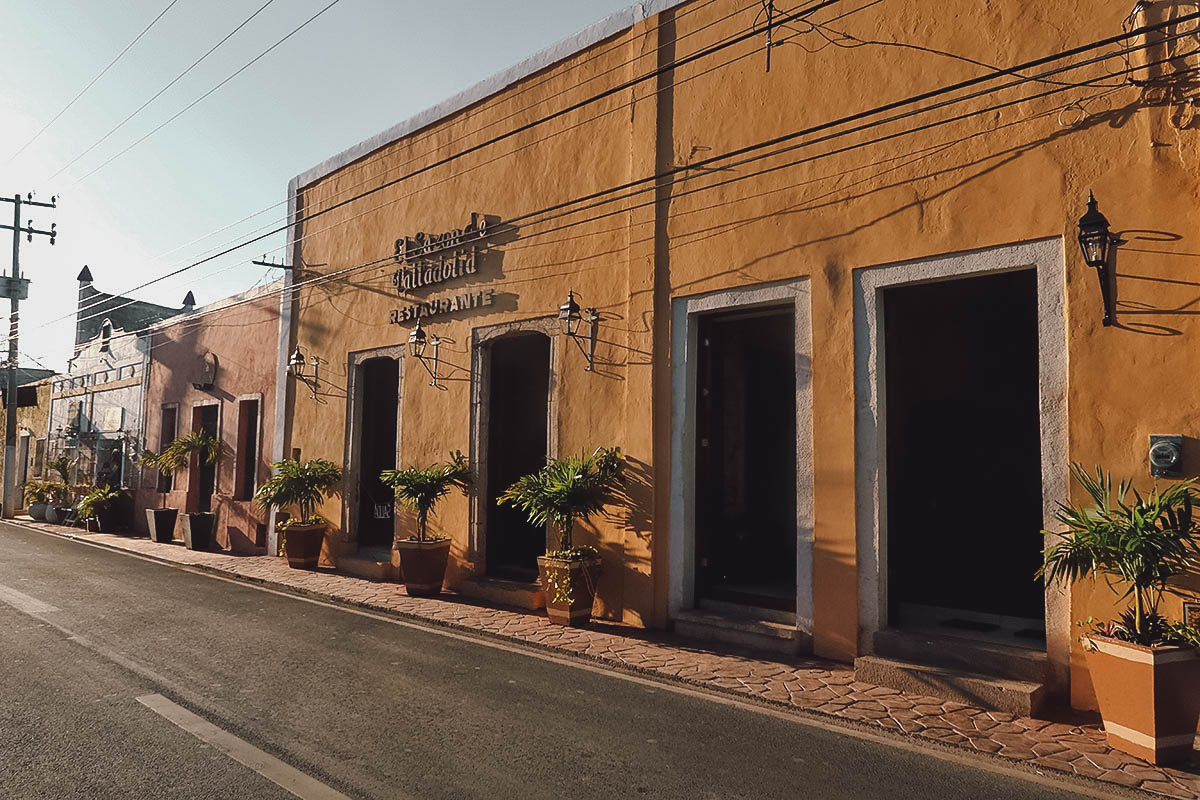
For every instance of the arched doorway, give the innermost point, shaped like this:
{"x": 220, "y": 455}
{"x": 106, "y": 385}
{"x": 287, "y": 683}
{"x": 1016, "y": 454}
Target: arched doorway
{"x": 380, "y": 396}
{"x": 516, "y": 444}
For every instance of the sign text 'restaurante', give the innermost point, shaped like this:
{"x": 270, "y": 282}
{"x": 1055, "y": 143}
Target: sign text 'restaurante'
{"x": 442, "y": 305}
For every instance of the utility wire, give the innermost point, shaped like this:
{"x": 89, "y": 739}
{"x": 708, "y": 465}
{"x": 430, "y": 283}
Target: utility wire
{"x": 90, "y": 83}
{"x": 204, "y": 96}
{"x": 1057, "y": 89}
{"x": 835, "y": 123}
{"x": 525, "y": 88}
{"x": 160, "y": 92}
{"x": 594, "y": 98}
{"x": 654, "y": 180}
{"x": 695, "y": 56}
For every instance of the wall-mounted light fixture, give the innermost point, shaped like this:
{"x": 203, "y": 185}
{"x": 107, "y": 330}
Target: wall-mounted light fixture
{"x": 1097, "y": 243}
{"x": 571, "y": 316}
{"x": 296, "y": 366}
{"x": 418, "y": 343}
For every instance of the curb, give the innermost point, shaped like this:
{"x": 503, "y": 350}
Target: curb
{"x": 1049, "y": 775}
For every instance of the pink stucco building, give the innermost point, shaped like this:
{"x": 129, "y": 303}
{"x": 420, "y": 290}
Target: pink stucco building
{"x": 215, "y": 370}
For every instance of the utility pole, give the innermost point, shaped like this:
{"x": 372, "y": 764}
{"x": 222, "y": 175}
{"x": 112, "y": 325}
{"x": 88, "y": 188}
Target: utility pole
{"x": 16, "y": 289}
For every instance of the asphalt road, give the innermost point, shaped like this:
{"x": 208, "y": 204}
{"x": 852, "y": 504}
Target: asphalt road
{"x": 370, "y": 708}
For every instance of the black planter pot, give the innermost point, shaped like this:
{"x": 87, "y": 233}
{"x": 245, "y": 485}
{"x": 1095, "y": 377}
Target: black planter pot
{"x": 198, "y": 530}
{"x": 162, "y": 524}
{"x": 106, "y": 520}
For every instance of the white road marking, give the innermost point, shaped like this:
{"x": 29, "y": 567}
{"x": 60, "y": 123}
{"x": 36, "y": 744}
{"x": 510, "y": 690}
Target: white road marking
{"x": 270, "y": 767}
{"x": 23, "y": 602}
{"x": 981, "y": 762}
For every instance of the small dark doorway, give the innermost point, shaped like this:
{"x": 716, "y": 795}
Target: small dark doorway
{"x": 205, "y": 418}
{"x": 377, "y": 451}
{"x": 518, "y": 414}
{"x": 746, "y": 459}
{"x": 964, "y": 478}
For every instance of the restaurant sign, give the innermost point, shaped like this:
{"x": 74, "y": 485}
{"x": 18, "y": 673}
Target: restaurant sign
{"x": 428, "y": 259}
{"x": 431, "y": 258}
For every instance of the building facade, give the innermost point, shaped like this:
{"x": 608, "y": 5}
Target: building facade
{"x": 95, "y": 411}
{"x": 833, "y": 312}
{"x": 33, "y": 415}
{"x": 214, "y": 371}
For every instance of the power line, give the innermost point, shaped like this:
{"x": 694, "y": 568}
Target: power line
{"x": 1057, "y": 89}
{"x": 818, "y": 128}
{"x": 204, "y": 96}
{"x": 695, "y": 56}
{"x": 160, "y": 92}
{"x": 524, "y": 89}
{"x": 226, "y": 251}
{"x": 91, "y": 83}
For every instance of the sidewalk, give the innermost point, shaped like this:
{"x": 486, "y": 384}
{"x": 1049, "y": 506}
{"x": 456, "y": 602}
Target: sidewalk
{"x": 807, "y": 684}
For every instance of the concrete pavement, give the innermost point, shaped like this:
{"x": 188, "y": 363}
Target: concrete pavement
{"x": 375, "y": 709}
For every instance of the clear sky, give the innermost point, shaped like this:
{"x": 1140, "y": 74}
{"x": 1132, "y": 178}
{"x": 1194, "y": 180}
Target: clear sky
{"x": 361, "y": 67}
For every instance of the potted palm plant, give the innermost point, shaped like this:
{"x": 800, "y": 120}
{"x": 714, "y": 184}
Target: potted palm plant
{"x": 559, "y": 494}
{"x": 303, "y": 485}
{"x": 37, "y": 496}
{"x": 1145, "y": 669}
{"x": 58, "y": 507}
{"x": 197, "y": 525}
{"x": 422, "y": 559}
{"x": 99, "y": 504}
{"x": 161, "y": 520}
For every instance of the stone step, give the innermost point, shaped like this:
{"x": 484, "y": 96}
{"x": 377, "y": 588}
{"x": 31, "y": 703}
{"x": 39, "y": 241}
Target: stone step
{"x": 1023, "y": 698}
{"x": 757, "y": 634}
{"x": 959, "y": 653}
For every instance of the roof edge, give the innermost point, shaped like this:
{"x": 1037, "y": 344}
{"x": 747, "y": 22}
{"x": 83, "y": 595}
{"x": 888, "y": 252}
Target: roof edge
{"x": 609, "y": 26}
{"x": 256, "y": 293}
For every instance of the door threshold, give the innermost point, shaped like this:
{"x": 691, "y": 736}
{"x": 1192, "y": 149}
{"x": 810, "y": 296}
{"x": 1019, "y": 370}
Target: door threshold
{"x": 742, "y": 630}
{"x": 739, "y": 610}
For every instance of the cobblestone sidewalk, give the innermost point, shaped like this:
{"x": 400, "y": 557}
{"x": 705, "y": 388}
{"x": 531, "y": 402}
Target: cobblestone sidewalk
{"x": 812, "y": 685}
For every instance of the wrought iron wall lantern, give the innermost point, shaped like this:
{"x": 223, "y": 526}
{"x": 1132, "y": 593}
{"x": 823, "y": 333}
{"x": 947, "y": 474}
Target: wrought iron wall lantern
{"x": 418, "y": 343}
{"x": 571, "y": 316}
{"x": 1098, "y": 245}
{"x": 296, "y": 366}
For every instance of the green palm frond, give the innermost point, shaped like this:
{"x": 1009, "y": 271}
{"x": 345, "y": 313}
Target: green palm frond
{"x": 420, "y": 488}
{"x": 300, "y": 484}
{"x": 1135, "y": 541}
{"x": 62, "y": 464}
{"x": 175, "y": 456}
{"x": 568, "y": 489}
{"x": 98, "y": 499}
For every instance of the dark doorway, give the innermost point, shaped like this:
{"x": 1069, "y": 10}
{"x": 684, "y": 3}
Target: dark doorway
{"x": 518, "y": 413}
{"x": 964, "y": 477}
{"x": 746, "y": 459}
{"x": 377, "y": 451}
{"x": 205, "y": 418}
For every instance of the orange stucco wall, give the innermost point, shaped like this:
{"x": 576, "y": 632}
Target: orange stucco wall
{"x": 820, "y": 211}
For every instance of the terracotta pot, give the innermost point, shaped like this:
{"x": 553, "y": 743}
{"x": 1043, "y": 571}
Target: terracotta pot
{"x": 570, "y": 588}
{"x": 161, "y": 522}
{"x": 1149, "y": 697}
{"x": 302, "y": 545}
{"x": 38, "y": 510}
{"x": 423, "y": 565}
{"x": 198, "y": 530}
